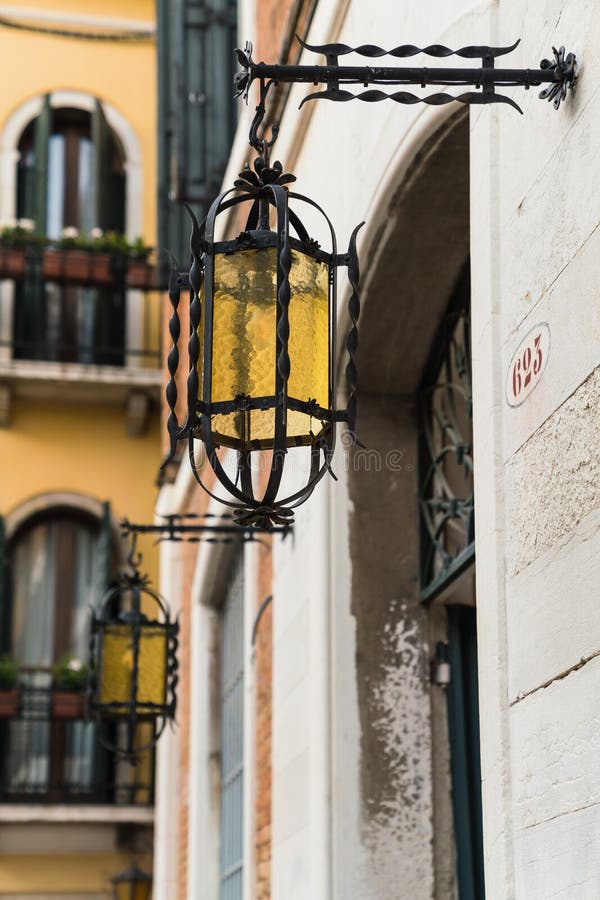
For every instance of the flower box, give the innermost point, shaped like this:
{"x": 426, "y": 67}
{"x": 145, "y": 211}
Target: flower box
{"x": 12, "y": 262}
{"x": 78, "y": 266}
{"x": 140, "y": 274}
{"x": 9, "y": 703}
{"x": 68, "y": 705}
{"x": 72, "y": 265}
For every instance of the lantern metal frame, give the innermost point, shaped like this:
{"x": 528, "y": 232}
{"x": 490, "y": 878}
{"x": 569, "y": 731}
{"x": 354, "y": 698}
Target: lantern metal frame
{"x": 132, "y": 712}
{"x": 132, "y": 877}
{"x": 264, "y": 189}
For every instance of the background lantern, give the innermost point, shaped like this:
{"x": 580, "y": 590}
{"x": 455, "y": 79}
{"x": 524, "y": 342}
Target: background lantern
{"x": 132, "y": 884}
{"x": 262, "y": 344}
{"x": 133, "y": 665}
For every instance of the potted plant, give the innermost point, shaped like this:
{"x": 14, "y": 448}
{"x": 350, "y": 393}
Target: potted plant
{"x": 140, "y": 273}
{"x": 16, "y": 237}
{"x": 9, "y": 691}
{"x": 76, "y": 258}
{"x": 69, "y": 680}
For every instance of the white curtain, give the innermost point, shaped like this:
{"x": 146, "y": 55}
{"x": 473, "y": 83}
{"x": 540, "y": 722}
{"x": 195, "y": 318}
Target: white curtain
{"x": 36, "y": 581}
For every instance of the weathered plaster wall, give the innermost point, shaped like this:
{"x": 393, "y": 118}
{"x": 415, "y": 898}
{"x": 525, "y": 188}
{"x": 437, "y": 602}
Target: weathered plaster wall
{"x": 376, "y": 736}
{"x": 391, "y": 669}
{"x": 536, "y": 210}
{"x": 352, "y": 799}
{"x": 553, "y": 481}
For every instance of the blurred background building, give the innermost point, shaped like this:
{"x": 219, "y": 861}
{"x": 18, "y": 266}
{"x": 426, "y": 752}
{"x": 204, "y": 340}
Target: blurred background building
{"x": 80, "y": 383}
{"x": 400, "y": 695}
{"x": 398, "y": 699}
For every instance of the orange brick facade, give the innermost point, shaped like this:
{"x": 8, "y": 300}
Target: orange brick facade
{"x": 277, "y": 22}
{"x": 263, "y": 663}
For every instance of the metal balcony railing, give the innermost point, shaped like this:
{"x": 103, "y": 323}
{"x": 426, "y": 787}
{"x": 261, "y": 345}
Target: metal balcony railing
{"x": 50, "y": 754}
{"x": 78, "y": 305}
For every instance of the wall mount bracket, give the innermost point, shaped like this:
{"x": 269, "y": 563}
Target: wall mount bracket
{"x": 196, "y": 528}
{"x": 558, "y": 74}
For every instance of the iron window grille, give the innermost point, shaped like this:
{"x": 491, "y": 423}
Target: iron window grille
{"x": 446, "y": 496}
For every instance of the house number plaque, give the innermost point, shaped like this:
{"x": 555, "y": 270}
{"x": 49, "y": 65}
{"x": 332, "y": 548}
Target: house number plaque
{"x": 528, "y": 364}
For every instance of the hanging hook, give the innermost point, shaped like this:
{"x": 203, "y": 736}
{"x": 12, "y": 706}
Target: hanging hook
{"x": 134, "y": 558}
{"x": 262, "y": 145}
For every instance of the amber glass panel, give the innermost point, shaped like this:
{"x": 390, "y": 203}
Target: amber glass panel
{"x": 117, "y": 665}
{"x": 244, "y": 342}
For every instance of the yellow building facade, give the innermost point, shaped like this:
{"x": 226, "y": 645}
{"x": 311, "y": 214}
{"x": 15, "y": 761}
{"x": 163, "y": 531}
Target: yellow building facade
{"x": 80, "y": 386}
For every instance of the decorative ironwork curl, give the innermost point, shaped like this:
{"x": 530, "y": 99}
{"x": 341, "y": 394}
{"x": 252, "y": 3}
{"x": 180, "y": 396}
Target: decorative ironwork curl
{"x": 406, "y": 98}
{"x": 196, "y": 271}
{"x": 352, "y": 339}
{"x": 564, "y": 67}
{"x": 406, "y": 50}
{"x": 173, "y": 361}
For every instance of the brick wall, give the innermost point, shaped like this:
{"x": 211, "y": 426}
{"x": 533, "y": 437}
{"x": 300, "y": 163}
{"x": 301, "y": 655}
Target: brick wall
{"x": 273, "y": 17}
{"x": 190, "y": 552}
{"x": 263, "y": 664}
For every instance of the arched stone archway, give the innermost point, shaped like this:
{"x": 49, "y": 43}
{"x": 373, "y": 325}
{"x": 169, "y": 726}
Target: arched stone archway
{"x": 405, "y": 803}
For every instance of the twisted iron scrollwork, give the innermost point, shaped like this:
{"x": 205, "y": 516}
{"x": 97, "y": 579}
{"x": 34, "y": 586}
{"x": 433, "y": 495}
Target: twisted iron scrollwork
{"x": 405, "y": 50}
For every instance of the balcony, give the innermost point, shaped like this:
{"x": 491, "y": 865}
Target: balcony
{"x": 50, "y": 755}
{"x": 80, "y": 320}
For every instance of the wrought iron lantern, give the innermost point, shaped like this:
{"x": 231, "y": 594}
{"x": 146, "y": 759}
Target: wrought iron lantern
{"x": 263, "y": 305}
{"x": 262, "y": 342}
{"x": 133, "y": 664}
{"x": 132, "y": 884}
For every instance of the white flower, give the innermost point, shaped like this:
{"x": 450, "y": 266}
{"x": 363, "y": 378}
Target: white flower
{"x": 70, "y": 232}
{"x": 26, "y": 224}
{"x": 75, "y": 665}
{"x": 96, "y": 233}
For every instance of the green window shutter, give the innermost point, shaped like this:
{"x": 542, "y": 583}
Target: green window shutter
{"x": 5, "y": 592}
{"x": 108, "y": 188}
{"x": 463, "y": 727}
{"x": 38, "y": 202}
{"x": 104, "y": 556}
{"x": 109, "y": 214}
{"x": 32, "y": 203}
{"x": 196, "y": 110}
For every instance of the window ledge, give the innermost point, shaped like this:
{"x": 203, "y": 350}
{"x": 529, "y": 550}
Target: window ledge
{"x": 75, "y": 383}
{"x": 64, "y": 813}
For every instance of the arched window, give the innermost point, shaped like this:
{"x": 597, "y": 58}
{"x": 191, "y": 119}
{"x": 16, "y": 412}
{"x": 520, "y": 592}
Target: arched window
{"x": 54, "y": 568}
{"x": 59, "y": 563}
{"x": 70, "y": 174}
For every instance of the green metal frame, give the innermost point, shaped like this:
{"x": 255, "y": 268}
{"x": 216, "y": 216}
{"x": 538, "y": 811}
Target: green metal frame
{"x": 463, "y": 728}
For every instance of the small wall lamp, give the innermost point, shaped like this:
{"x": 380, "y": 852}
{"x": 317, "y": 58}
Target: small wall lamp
{"x": 132, "y": 884}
